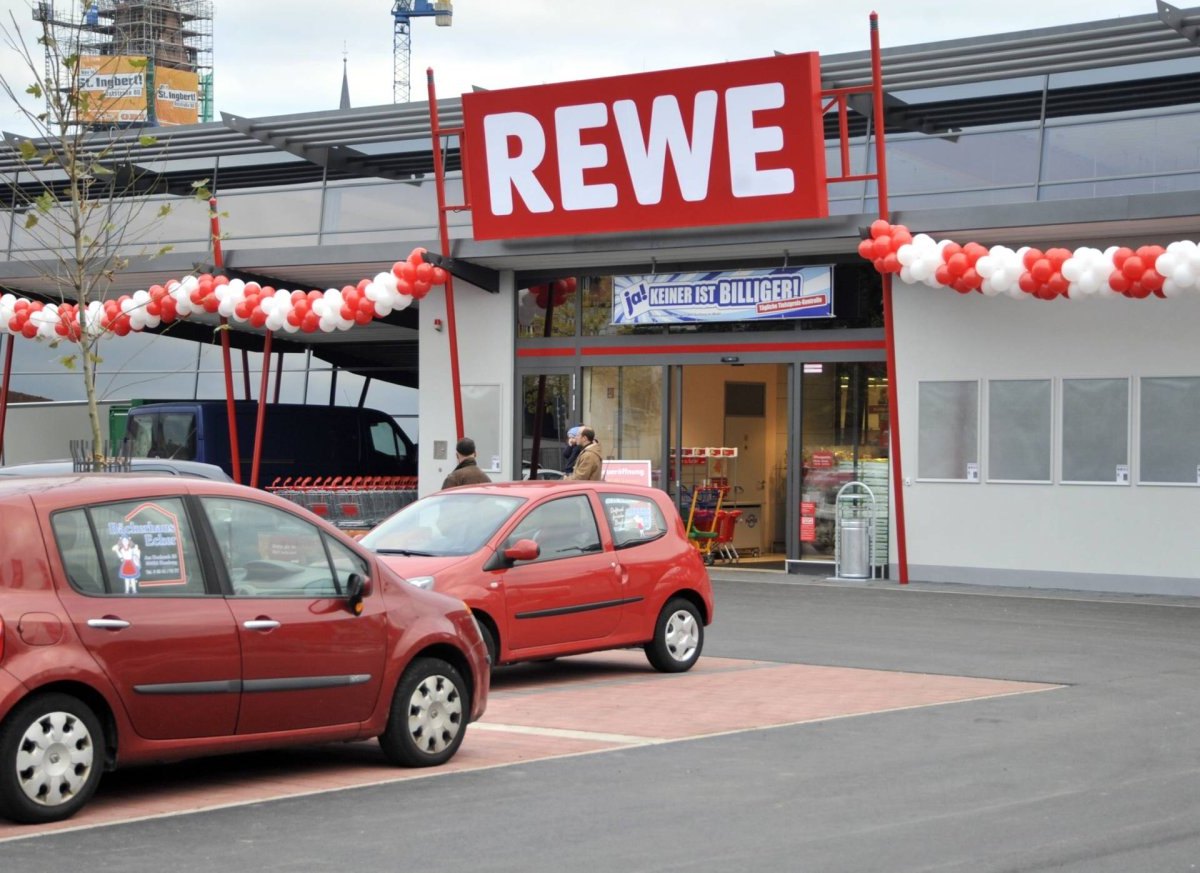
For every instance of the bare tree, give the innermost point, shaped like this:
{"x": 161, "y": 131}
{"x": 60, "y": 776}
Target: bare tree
{"x": 83, "y": 186}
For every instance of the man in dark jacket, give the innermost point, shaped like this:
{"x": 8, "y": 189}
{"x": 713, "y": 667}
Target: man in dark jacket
{"x": 467, "y": 472}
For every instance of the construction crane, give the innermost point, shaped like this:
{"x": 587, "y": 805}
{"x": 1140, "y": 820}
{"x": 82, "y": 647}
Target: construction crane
{"x": 403, "y": 12}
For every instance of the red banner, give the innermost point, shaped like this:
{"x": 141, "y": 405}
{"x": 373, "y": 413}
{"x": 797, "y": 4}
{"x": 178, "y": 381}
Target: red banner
{"x": 731, "y": 143}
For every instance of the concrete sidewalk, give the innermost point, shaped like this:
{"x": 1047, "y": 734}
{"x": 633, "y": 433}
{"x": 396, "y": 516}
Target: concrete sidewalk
{"x": 778, "y": 577}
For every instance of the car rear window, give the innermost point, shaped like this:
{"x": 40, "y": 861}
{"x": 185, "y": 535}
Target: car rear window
{"x": 633, "y": 519}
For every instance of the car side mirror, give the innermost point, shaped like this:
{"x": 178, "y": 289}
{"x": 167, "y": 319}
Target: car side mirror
{"x": 356, "y": 587}
{"x": 522, "y": 550}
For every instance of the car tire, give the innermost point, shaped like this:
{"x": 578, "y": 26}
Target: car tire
{"x": 678, "y": 637}
{"x": 429, "y": 715}
{"x": 51, "y": 759}
{"x": 489, "y": 643}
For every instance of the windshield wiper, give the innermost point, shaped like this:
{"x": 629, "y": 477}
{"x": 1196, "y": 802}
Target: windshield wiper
{"x": 408, "y": 553}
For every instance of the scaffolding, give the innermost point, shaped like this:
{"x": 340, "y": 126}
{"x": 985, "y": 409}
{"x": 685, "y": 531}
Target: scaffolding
{"x": 170, "y": 34}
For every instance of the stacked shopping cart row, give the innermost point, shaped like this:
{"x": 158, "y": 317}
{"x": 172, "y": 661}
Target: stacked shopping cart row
{"x": 348, "y": 501}
{"x": 874, "y": 474}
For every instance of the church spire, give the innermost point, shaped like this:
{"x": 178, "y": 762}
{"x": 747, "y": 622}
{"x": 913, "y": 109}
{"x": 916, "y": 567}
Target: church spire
{"x": 345, "y": 104}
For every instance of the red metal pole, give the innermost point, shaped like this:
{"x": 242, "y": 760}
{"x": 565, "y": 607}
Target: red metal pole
{"x": 262, "y": 410}
{"x": 235, "y": 455}
{"x": 8, "y": 353}
{"x": 888, "y": 322}
{"x": 440, "y": 175}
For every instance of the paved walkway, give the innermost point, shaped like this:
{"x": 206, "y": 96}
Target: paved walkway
{"x": 573, "y": 706}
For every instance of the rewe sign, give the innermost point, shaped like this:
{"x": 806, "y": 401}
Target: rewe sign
{"x": 721, "y": 144}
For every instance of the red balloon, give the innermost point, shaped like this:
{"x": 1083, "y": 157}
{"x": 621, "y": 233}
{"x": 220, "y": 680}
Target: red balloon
{"x": 1058, "y": 257}
{"x": 1133, "y": 268}
{"x": 891, "y": 264}
{"x": 943, "y": 275}
{"x": 1028, "y": 284}
{"x": 416, "y": 256}
{"x": 152, "y": 308}
{"x": 1118, "y": 282}
{"x": 1058, "y": 284}
{"x": 242, "y": 310}
{"x": 169, "y": 308}
{"x": 974, "y": 251}
{"x": 397, "y": 267}
{"x": 439, "y": 276}
{"x": 29, "y": 330}
{"x": 880, "y": 226}
{"x": 347, "y": 312}
{"x": 882, "y": 246}
{"x": 362, "y": 317}
{"x": 211, "y": 303}
{"x": 1041, "y": 270}
{"x": 1032, "y": 257}
{"x": 1152, "y": 280}
{"x": 310, "y": 323}
{"x": 424, "y": 272}
{"x": 972, "y": 279}
{"x": 404, "y": 286}
{"x": 866, "y": 249}
{"x": 408, "y": 273}
{"x": 1120, "y": 256}
{"x": 900, "y": 236}
{"x": 367, "y": 305}
{"x": 420, "y": 289}
{"x": 314, "y": 296}
{"x": 258, "y": 318}
{"x": 294, "y": 318}
{"x": 950, "y": 250}
{"x": 363, "y": 283}
{"x": 958, "y": 263}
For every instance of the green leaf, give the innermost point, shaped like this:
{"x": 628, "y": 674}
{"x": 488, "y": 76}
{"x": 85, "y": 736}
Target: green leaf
{"x": 44, "y": 202}
{"x": 164, "y": 210}
{"x": 99, "y": 170}
{"x": 147, "y": 141}
{"x": 31, "y": 220}
{"x": 35, "y": 90}
{"x": 28, "y": 150}
{"x": 164, "y": 250}
{"x": 137, "y": 63}
{"x": 69, "y": 362}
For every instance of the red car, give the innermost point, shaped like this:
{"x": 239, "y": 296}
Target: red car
{"x": 157, "y": 618}
{"x": 558, "y": 568}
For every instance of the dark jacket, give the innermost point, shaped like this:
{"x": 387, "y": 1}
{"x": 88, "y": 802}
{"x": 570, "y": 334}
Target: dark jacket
{"x": 589, "y": 464}
{"x": 570, "y": 453}
{"x": 466, "y": 473}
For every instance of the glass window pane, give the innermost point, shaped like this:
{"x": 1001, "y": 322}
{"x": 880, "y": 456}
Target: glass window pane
{"x": 1170, "y": 420}
{"x": 948, "y": 431}
{"x": 1095, "y": 430}
{"x": 268, "y": 552}
{"x": 633, "y": 520}
{"x": 562, "y": 529}
{"x": 623, "y": 405}
{"x": 73, "y": 534}
{"x": 1019, "y": 430}
{"x": 147, "y": 548}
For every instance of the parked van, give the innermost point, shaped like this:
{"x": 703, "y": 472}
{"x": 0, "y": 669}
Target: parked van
{"x": 298, "y": 440}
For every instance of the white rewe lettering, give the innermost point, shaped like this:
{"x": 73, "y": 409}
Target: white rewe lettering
{"x": 505, "y": 171}
{"x": 646, "y": 158}
{"x": 574, "y": 156}
{"x": 746, "y": 141}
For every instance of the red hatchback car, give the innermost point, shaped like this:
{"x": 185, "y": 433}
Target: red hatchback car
{"x": 149, "y": 619}
{"x": 558, "y": 568}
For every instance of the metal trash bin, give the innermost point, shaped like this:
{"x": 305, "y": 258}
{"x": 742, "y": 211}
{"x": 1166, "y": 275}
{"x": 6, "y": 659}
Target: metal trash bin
{"x": 854, "y": 549}
{"x": 854, "y": 542}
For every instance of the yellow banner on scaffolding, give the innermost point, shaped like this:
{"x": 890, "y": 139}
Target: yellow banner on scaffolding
{"x": 176, "y": 96}
{"x": 115, "y": 87}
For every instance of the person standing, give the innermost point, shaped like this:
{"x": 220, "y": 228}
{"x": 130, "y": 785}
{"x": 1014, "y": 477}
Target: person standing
{"x": 571, "y": 450}
{"x": 467, "y": 472}
{"x": 590, "y": 463}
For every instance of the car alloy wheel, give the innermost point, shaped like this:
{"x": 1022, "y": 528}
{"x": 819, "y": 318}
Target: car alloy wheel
{"x": 678, "y": 637}
{"x": 52, "y": 749}
{"x": 428, "y": 717}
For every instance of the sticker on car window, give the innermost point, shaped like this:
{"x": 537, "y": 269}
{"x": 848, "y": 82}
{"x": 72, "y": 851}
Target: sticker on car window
{"x": 148, "y": 548}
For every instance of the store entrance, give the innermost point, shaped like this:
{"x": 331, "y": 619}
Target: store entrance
{"x": 737, "y": 427}
{"x": 731, "y": 428}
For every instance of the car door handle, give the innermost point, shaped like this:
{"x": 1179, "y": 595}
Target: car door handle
{"x": 260, "y": 624}
{"x": 108, "y": 623}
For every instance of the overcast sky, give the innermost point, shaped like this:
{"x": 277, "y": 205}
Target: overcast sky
{"x": 274, "y": 57}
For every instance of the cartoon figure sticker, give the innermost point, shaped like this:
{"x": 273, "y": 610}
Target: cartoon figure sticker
{"x": 149, "y": 548}
{"x": 130, "y": 556}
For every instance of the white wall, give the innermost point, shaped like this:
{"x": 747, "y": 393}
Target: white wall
{"x": 43, "y": 431}
{"x": 486, "y": 348}
{"x": 1095, "y": 537}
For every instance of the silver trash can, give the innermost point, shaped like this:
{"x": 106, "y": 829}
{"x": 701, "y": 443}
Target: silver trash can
{"x": 854, "y": 548}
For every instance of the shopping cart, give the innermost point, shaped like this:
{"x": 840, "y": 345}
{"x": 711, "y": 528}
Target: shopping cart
{"x": 702, "y": 519}
{"x": 722, "y": 545}
{"x": 350, "y": 502}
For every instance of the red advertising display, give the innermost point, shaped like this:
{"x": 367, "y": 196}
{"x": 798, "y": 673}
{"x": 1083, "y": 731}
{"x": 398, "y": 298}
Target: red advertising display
{"x": 808, "y": 529}
{"x": 720, "y": 144}
{"x": 822, "y": 460}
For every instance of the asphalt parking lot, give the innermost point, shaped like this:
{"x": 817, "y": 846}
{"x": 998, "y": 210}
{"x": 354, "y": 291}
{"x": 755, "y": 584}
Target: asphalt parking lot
{"x": 828, "y": 727}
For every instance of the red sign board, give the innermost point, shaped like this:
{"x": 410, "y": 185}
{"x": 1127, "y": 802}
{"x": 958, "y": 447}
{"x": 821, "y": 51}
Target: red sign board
{"x": 808, "y": 529}
{"x": 720, "y": 144}
{"x": 808, "y": 509}
{"x": 822, "y": 459}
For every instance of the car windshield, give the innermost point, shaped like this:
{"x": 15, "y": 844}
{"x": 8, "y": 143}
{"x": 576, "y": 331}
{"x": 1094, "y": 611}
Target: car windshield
{"x": 443, "y": 524}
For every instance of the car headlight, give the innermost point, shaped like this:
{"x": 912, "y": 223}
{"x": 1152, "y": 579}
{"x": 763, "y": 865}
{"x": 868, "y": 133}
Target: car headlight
{"x": 425, "y": 582}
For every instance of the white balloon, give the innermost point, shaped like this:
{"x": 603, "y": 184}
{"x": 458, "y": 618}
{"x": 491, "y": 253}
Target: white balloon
{"x": 403, "y": 301}
{"x": 1183, "y": 274}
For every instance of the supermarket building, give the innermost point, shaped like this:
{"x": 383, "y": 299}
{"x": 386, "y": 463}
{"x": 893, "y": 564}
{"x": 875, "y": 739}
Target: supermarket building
{"x": 1046, "y": 443}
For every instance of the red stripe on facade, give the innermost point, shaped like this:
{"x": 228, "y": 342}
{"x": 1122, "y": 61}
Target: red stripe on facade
{"x": 861, "y": 345}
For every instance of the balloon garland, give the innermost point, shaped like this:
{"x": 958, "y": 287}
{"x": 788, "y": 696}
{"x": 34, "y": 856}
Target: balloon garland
{"x": 557, "y": 291}
{"x": 1086, "y": 272}
{"x": 261, "y": 306}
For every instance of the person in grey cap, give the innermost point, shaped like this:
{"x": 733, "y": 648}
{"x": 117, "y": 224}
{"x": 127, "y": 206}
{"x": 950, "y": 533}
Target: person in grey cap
{"x": 467, "y": 472}
{"x": 571, "y": 450}
{"x": 590, "y": 463}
